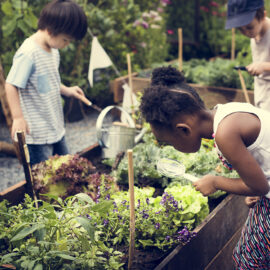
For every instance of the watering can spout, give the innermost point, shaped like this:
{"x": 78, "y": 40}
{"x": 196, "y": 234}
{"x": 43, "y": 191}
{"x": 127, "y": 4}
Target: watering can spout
{"x": 140, "y": 135}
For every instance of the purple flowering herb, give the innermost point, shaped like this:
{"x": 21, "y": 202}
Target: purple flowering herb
{"x": 167, "y": 238}
{"x": 124, "y": 202}
{"x": 157, "y": 226}
{"x": 105, "y": 222}
{"x": 108, "y": 197}
{"x": 89, "y": 217}
{"x": 185, "y": 235}
{"x": 147, "y": 201}
{"x": 139, "y": 203}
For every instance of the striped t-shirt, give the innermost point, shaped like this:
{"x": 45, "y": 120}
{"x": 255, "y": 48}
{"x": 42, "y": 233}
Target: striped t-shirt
{"x": 35, "y": 74}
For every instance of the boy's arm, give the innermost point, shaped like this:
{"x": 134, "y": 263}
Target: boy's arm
{"x": 13, "y": 99}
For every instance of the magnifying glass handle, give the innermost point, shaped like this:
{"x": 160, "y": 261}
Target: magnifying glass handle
{"x": 190, "y": 177}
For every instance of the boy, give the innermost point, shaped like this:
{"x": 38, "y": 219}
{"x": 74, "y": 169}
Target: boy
{"x": 33, "y": 85}
{"x": 249, "y": 16}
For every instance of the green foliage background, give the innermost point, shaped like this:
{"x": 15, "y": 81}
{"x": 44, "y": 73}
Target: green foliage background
{"x": 145, "y": 29}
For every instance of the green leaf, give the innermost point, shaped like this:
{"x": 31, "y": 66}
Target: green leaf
{"x": 9, "y": 27}
{"x": 26, "y": 231}
{"x": 38, "y": 267}
{"x": 102, "y": 207}
{"x": 65, "y": 256}
{"x": 31, "y": 20}
{"x": 7, "y": 8}
{"x": 23, "y": 26}
{"x": 86, "y": 224}
{"x": 84, "y": 197}
{"x": 146, "y": 243}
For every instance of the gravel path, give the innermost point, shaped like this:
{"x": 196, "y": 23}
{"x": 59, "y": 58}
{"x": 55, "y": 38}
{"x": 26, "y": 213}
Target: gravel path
{"x": 79, "y": 135}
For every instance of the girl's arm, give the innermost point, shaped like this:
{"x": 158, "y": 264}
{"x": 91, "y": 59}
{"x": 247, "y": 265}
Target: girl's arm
{"x": 234, "y": 134}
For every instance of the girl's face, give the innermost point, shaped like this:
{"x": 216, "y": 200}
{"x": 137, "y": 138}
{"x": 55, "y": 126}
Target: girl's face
{"x": 253, "y": 29}
{"x": 182, "y": 138}
{"x": 59, "y": 42}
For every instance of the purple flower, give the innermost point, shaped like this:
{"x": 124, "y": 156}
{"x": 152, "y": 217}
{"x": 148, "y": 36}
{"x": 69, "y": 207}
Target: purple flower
{"x": 145, "y": 25}
{"x": 107, "y": 197}
{"x": 89, "y": 217}
{"x": 124, "y": 202}
{"x": 167, "y": 238}
{"x": 157, "y": 226}
{"x": 105, "y": 222}
{"x": 185, "y": 235}
{"x": 147, "y": 201}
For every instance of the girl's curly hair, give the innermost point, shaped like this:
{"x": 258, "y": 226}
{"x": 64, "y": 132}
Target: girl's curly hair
{"x": 167, "y": 96}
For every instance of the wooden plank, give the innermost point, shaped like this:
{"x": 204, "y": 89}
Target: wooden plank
{"x": 211, "y": 95}
{"x": 6, "y": 109}
{"x": 212, "y": 234}
{"x": 15, "y": 193}
{"x": 224, "y": 257}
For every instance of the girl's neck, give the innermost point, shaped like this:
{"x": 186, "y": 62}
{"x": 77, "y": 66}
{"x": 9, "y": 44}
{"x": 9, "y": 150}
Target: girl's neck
{"x": 41, "y": 38}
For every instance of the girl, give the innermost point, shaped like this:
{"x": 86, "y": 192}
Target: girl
{"x": 178, "y": 117}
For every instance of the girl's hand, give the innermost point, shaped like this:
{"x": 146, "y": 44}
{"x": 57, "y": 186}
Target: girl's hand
{"x": 19, "y": 124}
{"x": 251, "y": 201}
{"x": 206, "y": 185}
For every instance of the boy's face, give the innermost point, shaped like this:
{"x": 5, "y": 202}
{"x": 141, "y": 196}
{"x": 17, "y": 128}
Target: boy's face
{"x": 253, "y": 29}
{"x": 60, "y": 41}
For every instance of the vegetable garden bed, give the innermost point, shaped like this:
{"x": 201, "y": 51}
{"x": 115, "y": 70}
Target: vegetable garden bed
{"x": 210, "y": 249}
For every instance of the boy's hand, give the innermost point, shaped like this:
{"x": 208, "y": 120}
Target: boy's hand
{"x": 251, "y": 201}
{"x": 206, "y": 185}
{"x": 76, "y": 92}
{"x": 255, "y": 69}
{"x": 19, "y": 124}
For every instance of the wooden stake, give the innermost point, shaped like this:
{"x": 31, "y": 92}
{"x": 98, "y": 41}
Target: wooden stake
{"x": 233, "y": 44}
{"x": 243, "y": 86}
{"x": 180, "y": 48}
{"x": 130, "y": 83}
{"x": 132, "y": 207}
{"x": 26, "y": 165}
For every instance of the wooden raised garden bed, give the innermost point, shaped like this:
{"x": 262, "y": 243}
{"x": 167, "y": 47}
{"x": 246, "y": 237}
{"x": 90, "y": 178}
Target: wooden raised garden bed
{"x": 216, "y": 236}
{"x": 211, "y": 95}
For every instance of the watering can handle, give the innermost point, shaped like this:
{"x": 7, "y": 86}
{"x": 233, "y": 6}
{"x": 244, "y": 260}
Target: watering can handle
{"x": 101, "y": 117}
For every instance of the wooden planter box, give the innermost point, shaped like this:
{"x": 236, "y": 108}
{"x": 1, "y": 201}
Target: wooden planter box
{"x": 216, "y": 236}
{"x": 211, "y": 95}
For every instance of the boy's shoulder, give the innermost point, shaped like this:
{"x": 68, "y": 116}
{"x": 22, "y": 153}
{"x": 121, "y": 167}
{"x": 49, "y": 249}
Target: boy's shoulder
{"x": 28, "y": 47}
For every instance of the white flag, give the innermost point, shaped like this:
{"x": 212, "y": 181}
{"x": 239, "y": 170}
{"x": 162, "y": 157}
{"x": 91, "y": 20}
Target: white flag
{"x": 98, "y": 59}
{"x": 128, "y": 104}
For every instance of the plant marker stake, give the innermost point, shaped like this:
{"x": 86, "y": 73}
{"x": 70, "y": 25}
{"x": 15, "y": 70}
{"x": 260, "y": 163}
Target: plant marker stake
{"x": 243, "y": 86}
{"x": 25, "y": 157}
{"x": 132, "y": 208}
{"x": 233, "y": 44}
{"x": 130, "y": 84}
{"x": 180, "y": 48}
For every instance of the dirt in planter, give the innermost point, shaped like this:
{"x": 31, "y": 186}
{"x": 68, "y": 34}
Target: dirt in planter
{"x": 146, "y": 259}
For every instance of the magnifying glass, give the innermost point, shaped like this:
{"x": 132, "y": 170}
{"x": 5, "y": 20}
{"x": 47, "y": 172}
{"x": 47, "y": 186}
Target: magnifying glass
{"x": 173, "y": 169}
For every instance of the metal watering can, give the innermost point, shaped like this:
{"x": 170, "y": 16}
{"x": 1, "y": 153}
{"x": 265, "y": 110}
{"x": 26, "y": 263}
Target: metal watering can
{"x": 116, "y": 138}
